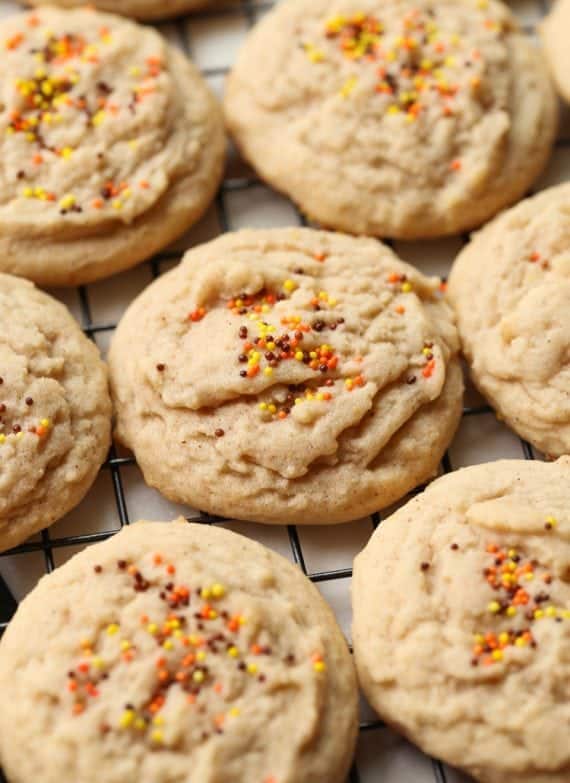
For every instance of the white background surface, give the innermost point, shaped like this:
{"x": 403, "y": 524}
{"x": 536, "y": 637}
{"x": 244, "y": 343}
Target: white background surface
{"x": 212, "y": 40}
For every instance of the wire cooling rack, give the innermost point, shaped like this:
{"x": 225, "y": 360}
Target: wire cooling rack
{"x": 120, "y": 496}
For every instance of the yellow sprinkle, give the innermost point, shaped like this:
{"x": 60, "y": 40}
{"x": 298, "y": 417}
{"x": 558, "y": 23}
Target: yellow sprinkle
{"x": 551, "y": 611}
{"x": 299, "y": 356}
{"x": 134, "y": 71}
{"x": 158, "y": 720}
{"x": 157, "y": 736}
{"x": 117, "y": 204}
{"x": 28, "y": 192}
{"x": 168, "y": 644}
{"x": 497, "y": 655}
{"x": 520, "y": 642}
{"x": 289, "y": 285}
{"x": 263, "y": 406}
{"x": 348, "y": 86}
{"x": 218, "y": 590}
{"x": 152, "y": 628}
{"x": 538, "y": 614}
{"x": 125, "y": 645}
{"x": 112, "y": 629}
{"x": 127, "y": 719}
{"x": 406, "y": 288}
{"x": 272, "y": 409}
{"x": 252, "y": 668}
{"x": 198, "y": 676}
{"x": 98, "y": 663}
{"x": 529, "y": 577}
{"x": 268, "y": 371}
{"x": 67, "y": 201}
{"x": 552, "y": 521}
{"x": 479, "y": 638}
{"x": 494, "y": 607}
{"x": 2, "y": 439}
{"x": 504, "y": 637}
{"x": 201, "y": 656}
{"x": 140, "y": 724}
{"x": 233, "y": 652}
{"x": 234, "y": 712}
{"x": 511, "y": 611}
{"x": 66, "y": 153}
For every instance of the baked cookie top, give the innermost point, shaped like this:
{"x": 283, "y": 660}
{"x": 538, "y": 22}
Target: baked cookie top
{"x": 393, "y": 117}
{"x": 288, "y": 375}
{"x": 100, "y": 119}
{"x": 462, "y": 620}
{"x": 55, "y": 411}
{"x": 517, "y": 337}
{"x": 553, "y": 31}
{"x": 140, "y": 9}
{"x": 171, "y": 652}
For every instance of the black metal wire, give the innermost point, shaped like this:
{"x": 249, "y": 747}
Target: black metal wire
{"x": 250, "y": 10}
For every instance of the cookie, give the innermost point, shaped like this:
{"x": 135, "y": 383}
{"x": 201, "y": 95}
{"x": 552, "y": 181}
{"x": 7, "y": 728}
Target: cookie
{"x": 55, "y": 411}
{"x": 553, "y": 31}
{"x": 517, "y": 338}
{"x": 393, "y": 117}
{"x": 139, "y": 9}
{"x": 288, "y": 376}
{"x": 112, "y": 145}
{"x": 174, "y": 652}
{"x": 462, "y": 621}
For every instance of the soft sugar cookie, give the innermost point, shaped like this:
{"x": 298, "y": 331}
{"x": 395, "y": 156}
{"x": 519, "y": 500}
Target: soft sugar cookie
{"x": 462, "y": 620}
{"x": 139, "y": 9}
{"x": 401, "y": 118}
{"x": 55, "y": 411}
{"x": 554, "y": 33}
{"x": 511, "y": 289}
{"x": 288, "y": 376}
{"x": 112, "y": 145}
{"x": 176, "y": 652}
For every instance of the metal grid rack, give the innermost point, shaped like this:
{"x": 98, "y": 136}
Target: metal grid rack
{"x": 240, "y": 183}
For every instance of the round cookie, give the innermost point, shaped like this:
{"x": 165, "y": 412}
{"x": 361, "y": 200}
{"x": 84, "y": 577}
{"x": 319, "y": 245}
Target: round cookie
{"x": 288, "y": 376}
{"x": 554, "y": 33}
{"x": 112, "y": 144}
{"x": 55, "y": 411}
{"x": 517, "y": 337}
{"x": 176, "y": 652}
{"x": 139, "y": 9}
{"x": 401, "y": 118}
{"x": 462, "y": 621}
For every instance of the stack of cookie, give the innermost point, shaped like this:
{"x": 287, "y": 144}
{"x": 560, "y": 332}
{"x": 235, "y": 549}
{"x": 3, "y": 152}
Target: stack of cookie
{"x": 287, "y": 376}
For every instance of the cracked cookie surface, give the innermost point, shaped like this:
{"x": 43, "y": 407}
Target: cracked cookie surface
{"x": 517, "y": 337}
{"x": 462, "y": 620}
{"x": 174, "y": 653}
{"x": 392, "y": 117}
{"x": 288, "y": 375}
{"x": 112, "y": 145}
{"x": 55, "y": 411}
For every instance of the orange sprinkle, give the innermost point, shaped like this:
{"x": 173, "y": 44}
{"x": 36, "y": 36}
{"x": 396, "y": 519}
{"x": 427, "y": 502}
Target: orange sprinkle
{"x": 455, "y": 165}
{"x": 78, "y": 708}
{"x": 400, "y": 309}
{"x": 144, "y": 184}
{"x": 97, "y": 203}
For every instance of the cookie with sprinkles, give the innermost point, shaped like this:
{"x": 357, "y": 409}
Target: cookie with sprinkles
{"x": 288, "y": 375}
{"x": 461, "y": 627}
{"x": 554, "y": 32}
{"x": 399, "y": 118}
{"x": 112, "y": 145}
{"x": 175, "y": 653}
{"x": 148, "y": 10}
{"x": 517, "y": 338}
{"x": 55, "y": 411}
